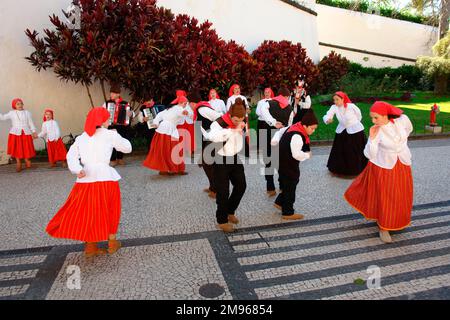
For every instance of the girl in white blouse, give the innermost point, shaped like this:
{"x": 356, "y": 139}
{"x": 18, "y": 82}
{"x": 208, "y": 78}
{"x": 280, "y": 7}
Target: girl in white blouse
{"x": 216, "y": 103}
{"x": 166, "y": 152}
{"x": 347, "y": 156}
{"x": 92, "y": 211}
{"x": 384, "y": 191}
{"x": 21, "y": 135}
{"x": 56, "y": 149}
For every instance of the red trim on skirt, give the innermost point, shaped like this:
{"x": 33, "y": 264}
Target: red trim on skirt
{"x": 21, "y": 147}
{"x": 187, "y": 137}
{"x": 166, "y": 154}
{"x": 383, "y": 195}
{"x": 56, "y": 151}
{"x": 90, "y": 214}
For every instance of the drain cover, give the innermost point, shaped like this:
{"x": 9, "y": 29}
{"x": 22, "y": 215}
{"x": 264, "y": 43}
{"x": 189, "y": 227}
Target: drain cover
{"x": 211, "y": 290}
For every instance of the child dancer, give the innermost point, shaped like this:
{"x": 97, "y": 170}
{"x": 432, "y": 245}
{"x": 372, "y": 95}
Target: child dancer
{"x": 294, "y": 148}
{"x": 166, "y": 152}
{"x": 384, "y": 190}
{"x": 21, "y": 135}
{"x": 268, "y": 95}
{"x": 276, "y": 114}
{"x": 56, "y": 149}
{"x": 92, "y": 212}
{"x": 347, "y": 157}
{"x": 228, "y": 133}
{"x": 205, "y": 114}
{"x": 216, "y": 103}
{"x": 302, "y": 101}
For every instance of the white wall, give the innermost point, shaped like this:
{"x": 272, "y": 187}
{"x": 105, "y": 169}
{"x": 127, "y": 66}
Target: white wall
{"x": 250, "y": 22}
{"x": 373, "y": 33}
{"x": 19, "y": 79}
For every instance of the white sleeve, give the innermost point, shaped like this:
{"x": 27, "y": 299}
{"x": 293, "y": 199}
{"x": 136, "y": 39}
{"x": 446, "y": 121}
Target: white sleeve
{"x": 291, "y": 119}
{"x": 121, "y": 144}
{"x": 209, "y": 114}
{"x": 358, "y": 113}
{"x": 307, "y": 103}
{"x": 30, "y": 122}
{"x": 330, "y": 114}
{"x": 258, "y": 108}
{"x": 267, "y": 117}
{"x": 73, "y": 159}
{"x": 43, "y": 132}
{"x": 371, "y": 149}
{"x": 218, "y": 134}
{"x": 223, "y": 106}
{"x": 296, "y": 149}
{"x": 5, "y": 116}
{"x": 277, "y": 136}
{"x": 228, "y": 106}
{"x": 159, "y": 118}
{"x": 406, "y": 123}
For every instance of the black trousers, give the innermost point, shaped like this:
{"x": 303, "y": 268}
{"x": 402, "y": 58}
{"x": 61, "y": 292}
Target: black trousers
{"x": 124, "y": 131}
{"x": 286, "y": 198}
{"x": 265, "y": 134}
{"x": 227, "y": 204}
{"x": 208, "y": 165}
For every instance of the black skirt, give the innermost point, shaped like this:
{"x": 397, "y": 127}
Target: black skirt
{"x": 347, "y": 155}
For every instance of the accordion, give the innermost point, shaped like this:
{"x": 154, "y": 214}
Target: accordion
{"x": 151, "y": 114}
{"x": 118, "y": 112}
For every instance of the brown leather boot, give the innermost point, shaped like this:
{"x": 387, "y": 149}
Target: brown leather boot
{"x": 121, "y": 162}
{"x": 114, "y": 246}
{"x": 113, "y": 164}
{"x": 91, "y": 250}
{"x": 295, "y": 216}
{"x": 226, "y": 227}
{"x": 271, "y": 193}
{"x": 212, "y": 195}
{"x": 233, "y": 219}
{"x": 277, "y": 206}
{"x": 18, "y": 166}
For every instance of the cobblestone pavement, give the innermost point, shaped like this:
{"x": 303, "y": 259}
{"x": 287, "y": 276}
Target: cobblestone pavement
{"x": 172, "y": 249}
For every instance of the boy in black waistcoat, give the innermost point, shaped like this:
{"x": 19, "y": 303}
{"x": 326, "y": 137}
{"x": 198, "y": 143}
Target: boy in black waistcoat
{"x": 294, "y": 147}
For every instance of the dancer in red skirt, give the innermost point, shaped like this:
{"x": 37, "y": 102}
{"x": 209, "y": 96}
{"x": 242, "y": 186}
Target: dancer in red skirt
{"x": 384, "y": 190}
{"x": 21, "y": 135}
{"x": 166, "y": 151}
{"x": 55, "y": 147}
{"x": 92, "y": 212}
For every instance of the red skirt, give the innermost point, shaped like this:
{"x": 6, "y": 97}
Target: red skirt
{"x": 166, "y": 154}
{"x": 21, "y": 147}
{"x": 56, "y": 151}
{"x": 383, "y": 195}
{"x": 90, "y": 214}
{"x": 187, "y": 137}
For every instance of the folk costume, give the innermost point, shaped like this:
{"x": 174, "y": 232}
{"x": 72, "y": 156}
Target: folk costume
{"x": 51, "y": 132}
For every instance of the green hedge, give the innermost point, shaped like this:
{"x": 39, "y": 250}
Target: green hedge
{"x": 363, "y": 6}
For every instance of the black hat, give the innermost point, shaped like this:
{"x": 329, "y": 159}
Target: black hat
{"x": 194, "y": 96}
{"x": 309, "y": 119}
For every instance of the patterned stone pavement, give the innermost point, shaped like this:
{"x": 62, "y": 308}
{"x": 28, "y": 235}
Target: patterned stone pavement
{"x": 173, "y": 251}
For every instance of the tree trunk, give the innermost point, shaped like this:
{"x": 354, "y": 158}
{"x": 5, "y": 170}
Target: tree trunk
{"x": 102, "y": 83}
{"x": 90, "y": 96}
{"x": 443, "y": 18}
{"x": 440, "y": 84}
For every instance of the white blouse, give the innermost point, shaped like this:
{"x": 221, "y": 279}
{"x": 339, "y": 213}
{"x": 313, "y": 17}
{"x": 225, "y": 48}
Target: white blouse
{"x": 268, "y": 118}
{"x": 232, "y": 99}
{"x": 209, "y": 114}
{"x": 189, "y": 119}
{"x": 296, "y": 145}
{"x": 219, "y": 106}
{"x": 233, "y": 139}
{"x": 21, "y": 120}
{"x": 167, "y": 121}
{"x": 349, "y": 118}
{"x": 50, "y": 131}
{"x": 95, "y": 154}
{"x": 390, "y": 144}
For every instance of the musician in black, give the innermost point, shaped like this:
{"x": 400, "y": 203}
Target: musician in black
{"x": 119, "y": 121}
{"x": 142, "y": 127}
{"x": 276, "y": 114}
{"x": 301, "y": 101}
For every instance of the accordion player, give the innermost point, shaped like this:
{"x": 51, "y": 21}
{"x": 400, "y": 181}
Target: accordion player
{"x": 119, "y": 112}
